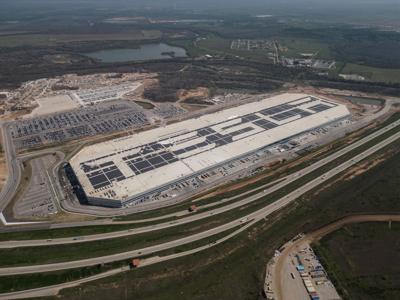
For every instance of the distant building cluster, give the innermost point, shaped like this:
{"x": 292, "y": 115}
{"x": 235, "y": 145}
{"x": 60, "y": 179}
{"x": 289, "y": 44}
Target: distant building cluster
{"x": 308, "y": 60}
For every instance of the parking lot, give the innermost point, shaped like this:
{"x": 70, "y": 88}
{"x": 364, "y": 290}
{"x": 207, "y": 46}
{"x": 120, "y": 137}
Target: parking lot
{"x": 38, "y": 198}
{"x": 247, "y": 165}
{"x": 103, "y": 118}
{"x": 303, "y": 276}
{"x": 107, "y": 93}
{"x": 166, "y": 110}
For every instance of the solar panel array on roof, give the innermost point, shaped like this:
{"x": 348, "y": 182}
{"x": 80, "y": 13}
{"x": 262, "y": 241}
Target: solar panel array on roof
{"x": 291, "y": 113}
{"x": 275, "y": 109}
{"x": 102, "y": 175}
{"x": 265, "y": 124}
{"x": 186, "y": 144}
{"x": 319, "y": 107}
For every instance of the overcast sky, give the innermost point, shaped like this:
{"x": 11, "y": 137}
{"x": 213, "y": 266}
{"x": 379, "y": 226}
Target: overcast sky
{"x": 378, "y": 8}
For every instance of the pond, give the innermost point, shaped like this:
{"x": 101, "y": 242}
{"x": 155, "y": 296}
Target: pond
{"x": 143, "y": 52}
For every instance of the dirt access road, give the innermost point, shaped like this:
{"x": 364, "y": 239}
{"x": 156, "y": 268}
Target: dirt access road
{"x": 317, "y": 235}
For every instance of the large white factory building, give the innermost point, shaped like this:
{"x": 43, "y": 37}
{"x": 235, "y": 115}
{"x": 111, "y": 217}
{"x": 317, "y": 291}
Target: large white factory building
{"x": 120, "y": 171}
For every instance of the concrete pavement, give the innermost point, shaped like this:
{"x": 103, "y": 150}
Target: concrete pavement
{"x": 54, "y": 289}
{"x": 199, "y": 216}
{"x": 255, "y": 216}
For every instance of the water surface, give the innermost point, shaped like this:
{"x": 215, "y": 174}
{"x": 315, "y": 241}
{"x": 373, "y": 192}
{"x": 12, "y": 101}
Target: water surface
{"x": 143, "y": 52}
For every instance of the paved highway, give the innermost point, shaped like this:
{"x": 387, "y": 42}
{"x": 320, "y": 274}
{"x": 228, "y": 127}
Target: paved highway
{"x": 14, "y": 170}
{"x": 107, "y": 212}
{"x": 54, "y": 289}
{"x": 252, "y": 217}
{"x": 202, "y": 215}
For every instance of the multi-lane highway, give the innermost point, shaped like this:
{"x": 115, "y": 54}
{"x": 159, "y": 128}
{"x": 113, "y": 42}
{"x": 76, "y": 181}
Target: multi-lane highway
{"x": 14, "y": 174}
{"x": 202, "y": 215}
{"x": 252, "y": 217}
{"x": 238, "y": 225}
{"x": 152, "y": 205}
{"x": 54, "y": 289}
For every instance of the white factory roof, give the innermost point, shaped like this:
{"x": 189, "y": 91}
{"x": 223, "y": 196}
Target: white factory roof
{"x": 115, "y": 169}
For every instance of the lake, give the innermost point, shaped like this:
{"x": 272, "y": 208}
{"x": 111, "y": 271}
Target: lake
{"x": 143, "y": 52}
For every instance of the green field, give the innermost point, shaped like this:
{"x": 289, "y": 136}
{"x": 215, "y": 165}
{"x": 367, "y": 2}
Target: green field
{"x": 293, "y": 47}
{"x": 374, "y": 74}
{"x": 235, "y": 270}
{"x": 361, "y": 260}
{"x": 188, "y": 45}
{"x": 215, "y": 45}
{"x": 49, "y": 254}
{"x": 69, "y": 232}
{"x": 60, "y": 253}
{"x": 53, "y": 39}
{"x": 30, "y": 281}
{"x": 35, "y": 280}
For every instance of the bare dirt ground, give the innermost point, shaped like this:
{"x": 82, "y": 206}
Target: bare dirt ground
{"x": 364, "y": 167}
{"x": 357, "y": 170}
{"x": 15, "y": 115}
{"x": 21, "y": 101}
{"x": 333, "y": 94}
{"x": 272, "y": 169}
{"x": 63, "y": 217}
{"x": 3, "y": 170}
{"x": 147, "y": 81}
{"x": 276, "y": 167}
{"x": 317, "y": 235}
{"x": 191, "y": 107}
{"x": 53, "y": 104}
{"x": 198, "y": 93}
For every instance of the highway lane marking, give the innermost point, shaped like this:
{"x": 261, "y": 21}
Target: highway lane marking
{"x": 220, "y": 210}
{"x": 255, "y": 216}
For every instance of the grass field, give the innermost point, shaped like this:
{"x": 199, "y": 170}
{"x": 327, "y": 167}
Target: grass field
{"x": 53, "y": 39}
{"x": 220, "y": 46}
{"x": 235, "y": 269}
{"x": 188, "y": 45}
{"x": 22, "y": 282}
{"x": 60, "y": 253}
{"x": 361, "y": 259}
{"x": 264, "y": 177}
{"x": 256, "y": 186}
{"x": 68, "y": 232}
{"x": 30, "y": 281}
{"x": 374, "y": 74}
{"x": 49, "y": 254}
{"x": 237, "y": 265}
{"x": 293, "y": 47}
